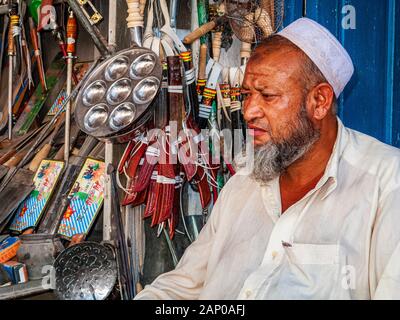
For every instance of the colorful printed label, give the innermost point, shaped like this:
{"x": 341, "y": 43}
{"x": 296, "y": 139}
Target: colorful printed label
{"x": 30, "y": 210}
{"x": 85, "y": 200}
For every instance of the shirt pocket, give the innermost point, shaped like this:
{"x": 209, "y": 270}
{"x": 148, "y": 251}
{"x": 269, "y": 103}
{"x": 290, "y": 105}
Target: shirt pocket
{"x": 312, "y": 254}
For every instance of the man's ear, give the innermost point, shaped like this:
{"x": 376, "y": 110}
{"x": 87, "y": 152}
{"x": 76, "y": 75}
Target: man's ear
{"x": 321, "y": 98}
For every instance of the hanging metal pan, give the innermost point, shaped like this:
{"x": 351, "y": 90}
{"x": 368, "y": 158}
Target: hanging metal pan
{"x": 116, "y": 98}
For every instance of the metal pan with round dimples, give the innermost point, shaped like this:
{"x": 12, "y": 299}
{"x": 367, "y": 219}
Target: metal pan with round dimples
{"x": 85, "y": 271}
{"x": 115, "y": 101}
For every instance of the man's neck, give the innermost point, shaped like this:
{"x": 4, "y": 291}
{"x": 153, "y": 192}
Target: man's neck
{"x": 314, "y": 163}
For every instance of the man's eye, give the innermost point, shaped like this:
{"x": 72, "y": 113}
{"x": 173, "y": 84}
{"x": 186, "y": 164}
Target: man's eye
{"x": 268, "y": 96}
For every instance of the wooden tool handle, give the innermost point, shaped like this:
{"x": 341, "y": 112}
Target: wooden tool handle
{"x": 42, "y": 154}
{"x": 14, "y": 22}
{"x": 77, "y": 238}
{"x": 199, "y": 32}
{"x": 134, "y": 19}
{"x": 216, "y": 45}
{"x": 11, "y": 44}
{"x": 176, "y": 109}
{"x": 202, "y": 61}
{"x": 142, "y": 6}
{"x": 72, "y": 32}
{"x": 16, "y": 159}
{"x": 60, "y": 154}
{"x": 33, "y": 32}
{"x": 4, "y": 158}
{"x": 245, "y": 50}
{"x": 35, "y": 43}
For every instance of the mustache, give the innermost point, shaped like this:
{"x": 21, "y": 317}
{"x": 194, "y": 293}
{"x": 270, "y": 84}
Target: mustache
{"x": 256, "y": 125}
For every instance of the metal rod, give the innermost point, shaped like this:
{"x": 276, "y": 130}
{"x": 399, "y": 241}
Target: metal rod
{"x": 173, "y": 13}
{"x": 10, "y": 96}
{"x": 109, "y": 147}
{"x": 67, "y": 142}
{"x": 171, "y": 248}
{"x": 14, "y": 24}
{"x": 107, "y": 215}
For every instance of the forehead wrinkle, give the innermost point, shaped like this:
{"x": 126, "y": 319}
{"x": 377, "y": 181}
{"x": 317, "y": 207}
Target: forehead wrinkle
{"x": 275, "y": 69}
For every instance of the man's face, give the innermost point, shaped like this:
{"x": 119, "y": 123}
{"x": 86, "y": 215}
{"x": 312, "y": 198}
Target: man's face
{"x": 273, "y": 95}
{"x": 275, "y": 108}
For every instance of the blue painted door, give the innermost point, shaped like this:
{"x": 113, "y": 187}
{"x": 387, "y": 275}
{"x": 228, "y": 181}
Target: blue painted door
{"x": 371, "y": 101}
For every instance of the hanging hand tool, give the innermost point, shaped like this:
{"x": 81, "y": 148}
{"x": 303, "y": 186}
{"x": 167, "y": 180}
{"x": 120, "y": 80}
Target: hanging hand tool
{"x": 71, "y": 48}
{"x": 202, "y": 78}
{"x": 216, "y": 11}
{"x": 126, "y": 277}
{"x": 205, "y": 25}
{"x": 38, "y": 55}
{"x": 98, "y": 39}
{"x": 90, "y": 11}
{"x": 27, "y": 57}
{"x": 209, "y": 95}
{"x": 192, "y": 101}
{"x": 204, "y": 29}
{"x": 3, "y": 43}
{"x": 49, "y": 19}
{"x": 135, "y": 21}
{"x": 12, "y": 32}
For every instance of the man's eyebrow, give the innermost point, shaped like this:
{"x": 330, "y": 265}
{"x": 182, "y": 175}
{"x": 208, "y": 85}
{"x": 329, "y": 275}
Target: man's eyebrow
{"x": 260, "y": 87}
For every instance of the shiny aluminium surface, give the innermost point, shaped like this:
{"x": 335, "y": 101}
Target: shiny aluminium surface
{"x": 115, "y": 101}
{"x": 85, "y": 271}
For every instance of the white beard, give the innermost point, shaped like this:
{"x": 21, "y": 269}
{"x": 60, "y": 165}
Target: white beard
{"x": 271, "y": 159}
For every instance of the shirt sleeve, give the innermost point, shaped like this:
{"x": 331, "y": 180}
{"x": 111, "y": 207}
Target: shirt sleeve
{"x": 185, "y": 282}
{"x": 385, "y": 250}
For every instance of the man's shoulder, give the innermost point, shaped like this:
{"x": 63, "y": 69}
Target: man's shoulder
{"x": 368, "y": 154}
{"x": 239, "y": 183}
{"x": 370, "y": 148}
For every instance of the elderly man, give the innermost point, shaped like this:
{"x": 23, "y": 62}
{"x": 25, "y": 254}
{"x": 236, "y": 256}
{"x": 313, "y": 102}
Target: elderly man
{"x": 318, "y": 216}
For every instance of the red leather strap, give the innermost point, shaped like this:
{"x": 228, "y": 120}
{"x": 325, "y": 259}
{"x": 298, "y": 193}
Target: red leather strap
{"x": 126, "y": 156}
{"x": 151, "y": 197}
{"x": 134, "y": 160}
{"x": 166, "y": 197}
{"x": 174, "y": 218}
{"x": 185, "y": 159}
{"x": 134, "y": 198}
{"x": 146, "y": 170}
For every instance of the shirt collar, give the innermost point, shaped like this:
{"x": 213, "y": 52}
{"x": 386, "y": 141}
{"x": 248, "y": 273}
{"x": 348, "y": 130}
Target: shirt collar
{"x": 331, "y": 172}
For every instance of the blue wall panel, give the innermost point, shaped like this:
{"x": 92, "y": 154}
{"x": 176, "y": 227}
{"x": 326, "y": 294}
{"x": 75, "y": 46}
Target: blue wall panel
{"x": 371, "y": 102}
{"x": 293, "y": 11}
{"x": 396, "y": 78}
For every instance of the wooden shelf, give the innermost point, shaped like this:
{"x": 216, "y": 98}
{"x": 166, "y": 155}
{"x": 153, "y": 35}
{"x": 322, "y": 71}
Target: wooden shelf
{"x": 18, "y": 291}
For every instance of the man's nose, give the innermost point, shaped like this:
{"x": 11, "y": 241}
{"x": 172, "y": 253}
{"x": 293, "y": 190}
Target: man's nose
{"x": 252, "y": 109}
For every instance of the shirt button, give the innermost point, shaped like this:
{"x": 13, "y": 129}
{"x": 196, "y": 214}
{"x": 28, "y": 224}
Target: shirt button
{"x": 248, "y": 293}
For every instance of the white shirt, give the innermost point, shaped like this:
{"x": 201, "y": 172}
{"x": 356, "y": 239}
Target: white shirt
{"x": 340, "y": 241}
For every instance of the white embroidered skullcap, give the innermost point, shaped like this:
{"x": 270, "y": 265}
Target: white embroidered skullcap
{"x": 323, "y": 49}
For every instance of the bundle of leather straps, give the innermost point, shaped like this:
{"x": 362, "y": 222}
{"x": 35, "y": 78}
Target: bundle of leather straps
{"x": 173, "y": 150}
